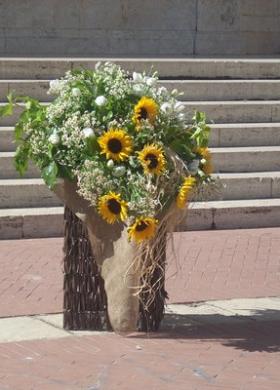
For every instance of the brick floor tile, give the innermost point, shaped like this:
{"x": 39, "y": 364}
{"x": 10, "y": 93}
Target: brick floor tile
{"x": 205, "y": 265}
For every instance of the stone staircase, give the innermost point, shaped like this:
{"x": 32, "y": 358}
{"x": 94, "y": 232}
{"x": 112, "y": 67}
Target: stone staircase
{"x": 242, "y": 98}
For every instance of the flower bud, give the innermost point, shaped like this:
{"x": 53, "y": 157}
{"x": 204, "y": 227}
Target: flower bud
{"x": 88, "y": 132}
{"x": 151, "y": 81}
{"x": 110, "y": 164}
{"x": 119, "y": 171}
{"x": 137, "y": 77}
{"x": 179, "y": 106}
{"x": 100, "y": 101}
{"x": 166, "y": 107}
{"x": 76, "y": 92}
{"x": 54, "y": 138}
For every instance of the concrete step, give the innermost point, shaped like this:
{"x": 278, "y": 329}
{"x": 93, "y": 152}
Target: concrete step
{"x": 236, "y": 111}
{"x": 222, "y": 135}
{"x": 7, "y": 168}
{"x": 245, "y": 134}
{"x": 15, "y": 193}
{"x": 23, "y": 193}
{"x": 234, "y": 214}
{"x": 36, "y": 89}
{"x": 31, "y": 222}
{"x": 193, "y": 89}
{"x": 246, "y": 159}
{"x": 252, "y": 185}
{"x": 239, "y": 159}
{"x": 226, "y": 89}
{"x": 45, "y": 68}
{"x": 217, "y": 111}
{"x": 7, "y": 139}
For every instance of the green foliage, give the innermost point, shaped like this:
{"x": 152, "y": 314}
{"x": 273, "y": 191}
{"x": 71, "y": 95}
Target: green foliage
{"x": 49, "y": 174}
{"x": 200, "y": 130}
{"x": 62, "y": 138}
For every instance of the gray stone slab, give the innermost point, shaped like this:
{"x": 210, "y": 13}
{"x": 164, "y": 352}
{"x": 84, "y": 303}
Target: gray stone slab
{"x": 220, "y": 15}
{"x": 24, "y": 193}
{"x": 28, "y": 328}
{"x": 247, "y": 159}
{"x": 43, "y": 223}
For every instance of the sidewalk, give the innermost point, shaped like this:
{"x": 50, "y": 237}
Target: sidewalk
{"x": 206, "y": 265}
{"x": 216, "y": 345}
{"x": 219, "y": 344}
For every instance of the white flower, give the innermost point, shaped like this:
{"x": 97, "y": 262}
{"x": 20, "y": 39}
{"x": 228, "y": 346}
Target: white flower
{"x": 100, "y": 101}
{"x": 55, "y": 87}
{"x": 54, "y": 138}
{"x": 138, "y": 89}
{"x": 110, "y": 164}
{"x": 28, "y": 105}
{"x": 54, "y": 84}
{"x": 162, "y": 91}
{"x": 166, "y": 107}
{"x": 181, "y": 116}
{"x": 97, "y": 65}
{"x": 76, "y": 92}
{"x": 179, "y": 106}
{"x": 119, "y": 171}
{"x": 137, "y": 77}
{"x": 88, "y": 132}
{"x": 150, "y": 81}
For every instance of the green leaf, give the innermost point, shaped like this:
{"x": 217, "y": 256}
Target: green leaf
{"x": 7, "y": 110}
{"x": 21, "y": 158}
{"x": 65, "y": 172}
{"x": 49, "y": 174}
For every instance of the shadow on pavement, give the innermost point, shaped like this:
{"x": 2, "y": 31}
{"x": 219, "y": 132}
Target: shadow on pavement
{"x": 258, "y": 332}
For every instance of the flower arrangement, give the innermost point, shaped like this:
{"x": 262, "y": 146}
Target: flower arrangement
{"x": 124, "y": 140}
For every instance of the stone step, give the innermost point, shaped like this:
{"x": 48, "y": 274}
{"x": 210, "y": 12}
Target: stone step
{"x": 239, "y": 159}
{"x": 217, "y": 111}
{"x": 7, "y": 139}
{"x": 15, "y": 193}
{"x": 236, "y": 111}
{"x": 36, "y": 89}
{"x": 252, "y": 185}
{"x": 8, "y": 171}
{"x": 192, "y": 89}
{"x": 31, "y": 222}
{"x": 226, "y": 89}
{"x": 233, "y": 214}
{"x": 246, "y": 159}
{"x": 45, "y": 68}
{"x": 245, "y": 134}
{"x": 23, "y": 193}
{"x": 222, "y": 135}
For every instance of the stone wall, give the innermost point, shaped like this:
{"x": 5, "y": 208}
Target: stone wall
{"x": 139, "y": 27}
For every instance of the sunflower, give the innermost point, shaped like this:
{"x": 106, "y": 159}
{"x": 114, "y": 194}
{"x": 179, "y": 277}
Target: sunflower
{"x": 116, "y": 144}
{"x": 205, "y": 154}
{"x": 184, "y": 192}
{"x": 146, "y": 108}
{"x": 143, "y": 228}
{"x": 152, "y": 159}
{"x": 112, "y": 208}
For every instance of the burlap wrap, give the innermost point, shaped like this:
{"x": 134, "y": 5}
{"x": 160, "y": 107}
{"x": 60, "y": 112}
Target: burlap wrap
{"x": 114, "y": 255}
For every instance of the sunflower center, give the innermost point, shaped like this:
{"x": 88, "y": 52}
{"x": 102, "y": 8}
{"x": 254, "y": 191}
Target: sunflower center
{"x": 141, "y": 226}
{"x": 143, "y": 113}
{"x": 152, "y": 160}
{"x": 114, "y": 206}
{"x": 114, "y": 145}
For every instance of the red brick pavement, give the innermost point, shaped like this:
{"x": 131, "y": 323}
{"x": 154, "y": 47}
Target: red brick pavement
{"x": 207, "y": 265}
{"x": 215, "y": 353}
